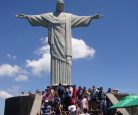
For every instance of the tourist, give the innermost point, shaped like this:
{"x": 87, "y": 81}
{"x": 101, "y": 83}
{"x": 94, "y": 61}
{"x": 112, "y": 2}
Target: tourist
{"x": 85, "y": 112}
{"x": 94, "y": 97}
{"x": 84, "y": 103}
{"x": 60, "y": 90}
{"x": 72, "y": 110}
{"x": 75, "y": 91}
{"x": 118, "y": 113}
{"x": 102, "y": 100}
{"x": 71, "y": 90}
{"x": 29, "y": 93}
{"x": 38, "y": 92}
{"x": 22, "y": 93}
{"x": 79, "y": 95}
{"x": 78, "y": 110}
{"x": 67, "y": 99}
{"x": 89, "y": 98}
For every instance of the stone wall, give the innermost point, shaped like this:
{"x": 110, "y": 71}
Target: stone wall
{"x": 20, "y": 105}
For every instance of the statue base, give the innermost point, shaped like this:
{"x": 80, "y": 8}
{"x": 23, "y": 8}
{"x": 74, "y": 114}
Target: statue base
{"x": 56, "y": 86}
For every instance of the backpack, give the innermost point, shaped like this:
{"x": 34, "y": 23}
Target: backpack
{"x": 94, "y": 94}
{"x": 60, "y": 90}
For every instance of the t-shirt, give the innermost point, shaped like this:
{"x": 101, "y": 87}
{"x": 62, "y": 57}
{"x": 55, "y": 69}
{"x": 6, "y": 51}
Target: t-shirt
{"x": 72, "y": 108}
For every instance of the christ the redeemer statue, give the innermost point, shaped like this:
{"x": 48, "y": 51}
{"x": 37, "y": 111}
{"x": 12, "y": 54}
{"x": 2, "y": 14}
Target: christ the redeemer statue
{"x": 59, "y": 25}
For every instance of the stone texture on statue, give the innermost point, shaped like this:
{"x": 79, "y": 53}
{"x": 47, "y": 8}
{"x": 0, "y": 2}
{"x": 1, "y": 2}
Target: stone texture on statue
{"x": 59, "y": 39}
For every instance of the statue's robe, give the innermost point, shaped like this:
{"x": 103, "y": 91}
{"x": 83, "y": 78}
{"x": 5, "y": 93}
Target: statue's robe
{"x": 59, "y": 39}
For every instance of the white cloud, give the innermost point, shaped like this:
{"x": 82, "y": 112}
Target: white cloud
{"x": 15, "y": 72}
{"x": 9, "y": 70}
{"x": 45, "y": 48}
{"x": 80, "y": 50}
{"x": 43, "y": 63}
{"x": 4, "y": 95}
{"x": 21, "y": 78}
{"x": 40, "y": 65}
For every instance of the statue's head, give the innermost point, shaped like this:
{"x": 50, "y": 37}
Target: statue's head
{"x": 60, "y": 1}
{"x": 60, "y": 5}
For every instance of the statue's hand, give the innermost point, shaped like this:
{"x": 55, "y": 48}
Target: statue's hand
{"x": 97, "y": 16}
{"x": 68, "y": 60}
{"x": 21, "y": 16}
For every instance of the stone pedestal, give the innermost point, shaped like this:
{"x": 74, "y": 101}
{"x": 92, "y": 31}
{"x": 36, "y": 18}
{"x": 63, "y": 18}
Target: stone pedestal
{"x": 56, "y": 86}
{"x": 20, "y": 105}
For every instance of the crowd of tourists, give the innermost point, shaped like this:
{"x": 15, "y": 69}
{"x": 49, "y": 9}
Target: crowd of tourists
{"x": 72, "y": 100}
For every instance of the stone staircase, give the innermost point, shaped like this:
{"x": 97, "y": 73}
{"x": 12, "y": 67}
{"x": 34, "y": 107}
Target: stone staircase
{"x": 36, "y": 105}
{"x": 114, "y": 100}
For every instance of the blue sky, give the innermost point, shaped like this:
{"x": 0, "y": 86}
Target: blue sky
{"x": 105, "y": 53}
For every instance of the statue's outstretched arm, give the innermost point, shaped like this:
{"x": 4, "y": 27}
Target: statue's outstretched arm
{"x": 21, "y": 16}
{"x": 97, "y": 16}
